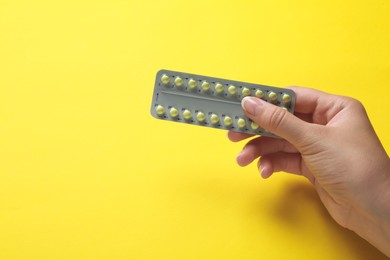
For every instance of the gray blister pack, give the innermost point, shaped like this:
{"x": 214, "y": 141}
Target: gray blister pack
{"x": 212, "y": 102}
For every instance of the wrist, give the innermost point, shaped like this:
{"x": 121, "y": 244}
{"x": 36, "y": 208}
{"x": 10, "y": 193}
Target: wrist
{"x": 372, "y": 221}
{"x": 374, "y": 229}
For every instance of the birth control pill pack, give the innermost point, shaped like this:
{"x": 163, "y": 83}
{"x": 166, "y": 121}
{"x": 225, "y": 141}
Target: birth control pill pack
{"x": 212, "y": 102}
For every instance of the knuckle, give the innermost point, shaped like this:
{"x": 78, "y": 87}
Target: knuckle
{"x": 276, "y": 118}
{"x": 355, "y": 104}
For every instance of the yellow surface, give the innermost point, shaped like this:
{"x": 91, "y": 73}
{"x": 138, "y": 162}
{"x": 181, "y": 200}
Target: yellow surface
{"x": 87, "y": 173}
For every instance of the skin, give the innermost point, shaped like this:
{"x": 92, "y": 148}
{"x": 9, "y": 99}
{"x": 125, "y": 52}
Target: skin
{"x": 330, "y": 141}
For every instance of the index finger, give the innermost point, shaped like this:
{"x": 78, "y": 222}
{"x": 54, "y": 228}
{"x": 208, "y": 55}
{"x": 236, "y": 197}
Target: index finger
{"x": 315, "y": 106}
{"x": 237, "y": 136}
{"x": 308, "y": 100}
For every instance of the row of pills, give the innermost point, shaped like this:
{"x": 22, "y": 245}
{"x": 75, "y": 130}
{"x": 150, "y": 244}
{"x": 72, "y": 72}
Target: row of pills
{"x": 201, "y": 117}
{"x": 219, "y": 89}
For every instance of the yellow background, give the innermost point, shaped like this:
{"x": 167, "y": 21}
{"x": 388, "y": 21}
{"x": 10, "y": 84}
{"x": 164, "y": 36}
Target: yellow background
{"x": 87, "y": 173}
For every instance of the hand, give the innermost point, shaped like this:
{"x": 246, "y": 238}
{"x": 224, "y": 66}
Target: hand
{"x": 331, "y": 142}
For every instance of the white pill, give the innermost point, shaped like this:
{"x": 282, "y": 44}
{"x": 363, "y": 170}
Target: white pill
{"x": 232, "y": 90}
{"x": 227, "y": 121}
{"x": 200, "y": 116}
{"x": 214, "y": 119}
{"x": 246, "y": 92}
{"x": 205, "y": 86}
{"x": 192, "y": 84}
{"x": 259, "y": 93}
{"x": 178, "y": 81}
{"x": 219, "y": 88}
{"x": 241, "y": 123}
{"x": 173, "y": 112}
{"x": 160, "y": 110}
{"x": 165, "y": 79}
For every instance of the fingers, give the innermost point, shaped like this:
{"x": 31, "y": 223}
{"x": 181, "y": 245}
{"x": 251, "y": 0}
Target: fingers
{"x": 280, "y": 162}
{"x": 236, "y": 136}
{"x": 278, "y": 121}
{"x": 316, "y": 106}
{"x": 307, "y": 99}
{"x": 305, "y": 117}
{"x": 287, "y": 162}
{"x": 311, "y": 106}
{"x": 263, "y": 145}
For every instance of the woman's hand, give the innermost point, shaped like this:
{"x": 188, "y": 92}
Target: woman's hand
{"x": 330, "y": 141}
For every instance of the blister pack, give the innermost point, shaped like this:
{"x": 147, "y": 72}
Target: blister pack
{"x": 212, "y": 102}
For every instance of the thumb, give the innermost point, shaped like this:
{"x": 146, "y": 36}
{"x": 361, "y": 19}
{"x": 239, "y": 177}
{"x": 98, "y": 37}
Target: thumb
{"x": 277, "y": 120}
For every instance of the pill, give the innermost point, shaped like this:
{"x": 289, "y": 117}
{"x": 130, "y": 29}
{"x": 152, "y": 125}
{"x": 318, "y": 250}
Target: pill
{"x": 219, "y": 88}
{"x": 286, "y": 98}
{"x": 272, "y": 96}
{"x": 165, "y": 79}
{"x": 259, "y": 93}
{"x": 254, "y": 126}
{"x": 187, "y": 114}
{"x": 200, "y": 116}
{"x": 241, "y": 123}
{"x": 192, "y": 84}
{"x": 232, "y": 90}
{"x": 227, "y": 121}
{"x": 178, "y": 81}
{"x": 160, "y": 110}
{"x": 214, "y": 119}
{"x": 205, "y": 86}
{"x": 173, "y": 112}
{"x": 246, "y": 92}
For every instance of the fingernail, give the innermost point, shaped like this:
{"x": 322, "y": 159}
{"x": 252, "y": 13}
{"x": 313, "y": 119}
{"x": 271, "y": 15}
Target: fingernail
{"x": 262, "y": 172}
{"x": 249, "y": 105}
{"x": 238, "y": 159}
